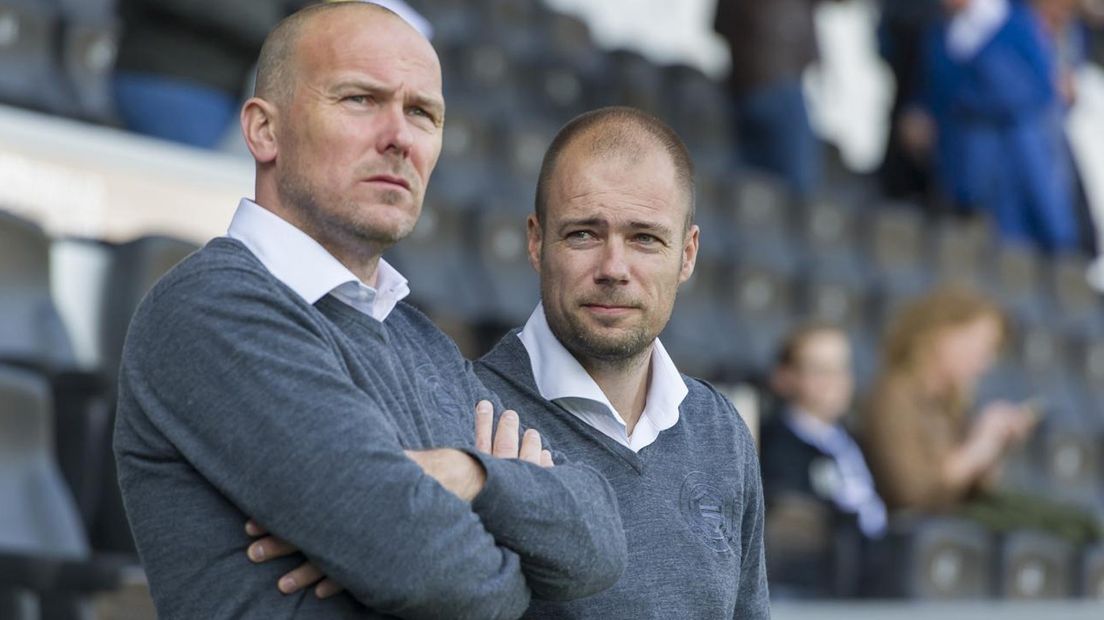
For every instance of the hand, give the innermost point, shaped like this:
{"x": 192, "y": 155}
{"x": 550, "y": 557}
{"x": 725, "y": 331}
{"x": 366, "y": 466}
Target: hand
{"x": 269, "y": 547}
{"x": 504, "y": 442}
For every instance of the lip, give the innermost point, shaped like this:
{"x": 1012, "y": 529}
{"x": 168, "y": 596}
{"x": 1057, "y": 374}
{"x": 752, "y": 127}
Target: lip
{"x": 606, "y": 310}
{"x": 389, "y": 180}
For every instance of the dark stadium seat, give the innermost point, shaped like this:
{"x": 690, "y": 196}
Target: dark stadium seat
{"x": 960, "y": 251}
{"x": 502, "y": 250}
{"x": 762, "y": 219}
{"x": 439, "y": 260}
{"x": 937, "y": 558}
{"x": 90, "y": 34}
{"x": 29, "y": 72}
{"x": 700, "y": 111}
{"x": 1079, "y": 306}
{"x": 763, "y": 306}
{"x": 703, "y": 310}
{"x": 1034, "y": 565}
{"x": 44, "y": 552}
{"x": 896, "y": 247}
{"x": 1091, "y": 573}
{"x": 829, "y": 236}
{"x": 31, "y": 330}
{"x": 1015, "y": 279}
{"x": 635, "y": 81}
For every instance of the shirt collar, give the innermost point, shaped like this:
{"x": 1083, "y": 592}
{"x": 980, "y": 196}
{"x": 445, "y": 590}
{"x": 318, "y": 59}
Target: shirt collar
{"x": 300, "y": 262}
{"x": 560, "y": 376}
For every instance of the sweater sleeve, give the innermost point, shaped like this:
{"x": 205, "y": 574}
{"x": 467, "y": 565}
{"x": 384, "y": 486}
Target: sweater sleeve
{"x": 253, "y": 396}
{"x": 752, "y": 596}
{"x": 563, "y": 522}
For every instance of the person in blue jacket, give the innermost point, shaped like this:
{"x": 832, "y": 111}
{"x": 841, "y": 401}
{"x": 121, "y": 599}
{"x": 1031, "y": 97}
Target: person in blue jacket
{"x": 991, "y": 86}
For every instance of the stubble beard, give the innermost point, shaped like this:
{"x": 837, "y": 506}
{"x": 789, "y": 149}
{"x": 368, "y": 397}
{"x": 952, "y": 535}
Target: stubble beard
{"x": 340, "y": 225}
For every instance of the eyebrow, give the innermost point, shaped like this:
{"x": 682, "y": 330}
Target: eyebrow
{"x": 435, "y": 105}
{"x": 595, "y": 222}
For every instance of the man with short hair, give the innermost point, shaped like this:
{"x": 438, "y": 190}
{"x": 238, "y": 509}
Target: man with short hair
{"x": 613, "y": 238}
{"x": 277, "y": 374}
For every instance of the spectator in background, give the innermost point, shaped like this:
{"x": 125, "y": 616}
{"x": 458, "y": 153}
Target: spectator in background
{"x": 925, "y": 453}
{"x": 806, "y": 448}
{"x": 906, "y": 170}
{"x": 810, "y": 459}
{"x": 183, "y": 64}
{"x": 771, "y": 44}
{"x": 991, "y": 85}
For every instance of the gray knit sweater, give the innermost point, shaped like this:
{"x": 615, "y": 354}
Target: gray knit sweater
{"x": 237, "y": 398}
{"x": 691, "y": 502}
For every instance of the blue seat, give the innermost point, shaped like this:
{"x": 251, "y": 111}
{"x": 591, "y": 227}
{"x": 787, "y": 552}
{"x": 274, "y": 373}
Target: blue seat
{"x": 29, "y": 72}
{"x": 1034, "y": 565}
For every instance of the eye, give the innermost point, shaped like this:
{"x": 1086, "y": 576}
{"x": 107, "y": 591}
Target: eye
{"x": 580, "y": 235}
{"x": 646, "y": 239}
{"x": 358, "y": 99}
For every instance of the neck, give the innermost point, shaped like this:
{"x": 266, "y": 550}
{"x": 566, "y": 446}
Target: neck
{"x": 624, "y": 382}
{"x": 358, "y": 255}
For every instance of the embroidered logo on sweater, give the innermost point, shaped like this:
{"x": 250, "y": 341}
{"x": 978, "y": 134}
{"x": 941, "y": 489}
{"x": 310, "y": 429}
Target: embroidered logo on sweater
{"x": 710, "y": 514}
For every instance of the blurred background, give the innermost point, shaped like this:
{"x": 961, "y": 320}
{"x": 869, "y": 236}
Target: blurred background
{"x": 874, "y": 176}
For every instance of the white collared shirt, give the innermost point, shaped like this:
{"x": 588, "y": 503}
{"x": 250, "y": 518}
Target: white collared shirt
{"x": 854, "y": 490}
{"x": 563, "y": 380}
{"x": 301, "y": 263}
{"x": 974, "y": 26}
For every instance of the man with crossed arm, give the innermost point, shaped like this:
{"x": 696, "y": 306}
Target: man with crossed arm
{"x": 276, "y": 373}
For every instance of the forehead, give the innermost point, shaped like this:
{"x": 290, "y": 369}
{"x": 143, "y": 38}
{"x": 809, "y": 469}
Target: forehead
{"x": 823, "y": 344}
{"x": 363, "y": 41}
{"x": 617, "y": 186}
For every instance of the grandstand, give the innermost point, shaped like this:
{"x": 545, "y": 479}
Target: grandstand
{"x": 91, "y": 216}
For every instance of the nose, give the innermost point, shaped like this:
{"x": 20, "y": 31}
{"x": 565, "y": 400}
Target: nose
{"x": 613, "y": 268}
{"x": 394, "y": 130}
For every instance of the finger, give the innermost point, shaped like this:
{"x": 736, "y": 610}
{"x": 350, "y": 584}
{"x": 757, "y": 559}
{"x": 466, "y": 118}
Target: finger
{"x": 254, "y": 529}
{"x": 506, "y": 436}
{"x": 484, "y": 426}
{"x": 327, "y": 588}
{"x": 303, "y": 577}
{"x": 270, "y": 548}
{"x": 546, "y": 459}
{"x": 530, "y": 447}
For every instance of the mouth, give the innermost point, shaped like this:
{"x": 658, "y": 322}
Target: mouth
{"x": 608, "y": 309}
{"x": 386, "y": 179}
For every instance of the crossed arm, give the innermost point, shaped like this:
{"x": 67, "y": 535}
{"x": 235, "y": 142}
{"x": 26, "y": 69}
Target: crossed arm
{"x": 265, "y": 410}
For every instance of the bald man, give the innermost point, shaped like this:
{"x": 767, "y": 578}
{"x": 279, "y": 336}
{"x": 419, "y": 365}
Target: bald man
{"x": 277, "y": 374}
{"x": 613, "y": 237}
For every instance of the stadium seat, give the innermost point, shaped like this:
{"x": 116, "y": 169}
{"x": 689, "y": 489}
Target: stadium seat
{"x": 701, "y": 112}
{"x": 89, "y": 48}
{"x": 896, "y": 248}
{"x": 502, "y": 251}
{"x": 1015, "y": 279}
{"x": 439, "y": 260}
{"x": 763, "y": 306}
{"x": 31, "y": 331}
{"x": 44, "y": 551}
{"x": 829, "y": 237}
{"x": 1091, "y": 573}
{"x": 937, "y": 558}
{"x": 1034, "y": 565}
{"x": 29, "y": 72}
{"x": 762, "y": 219}
{"x": 1079, "y": 306}
{"x": 959, "y": 251}
{"x": 702, "y": 311}
{"x": 635, "y": 81}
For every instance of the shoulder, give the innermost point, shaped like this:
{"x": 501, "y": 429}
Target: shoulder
{"x": 710, "y": 412}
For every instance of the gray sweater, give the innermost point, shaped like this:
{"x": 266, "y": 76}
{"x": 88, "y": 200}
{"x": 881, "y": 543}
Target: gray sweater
{"x": 237, "y": 398}
{"x": 691, "y": 502}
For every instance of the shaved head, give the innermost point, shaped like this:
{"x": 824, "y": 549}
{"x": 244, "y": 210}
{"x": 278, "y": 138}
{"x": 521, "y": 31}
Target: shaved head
{"x": 618, "y": 132}
{"x": 277, "y": 64}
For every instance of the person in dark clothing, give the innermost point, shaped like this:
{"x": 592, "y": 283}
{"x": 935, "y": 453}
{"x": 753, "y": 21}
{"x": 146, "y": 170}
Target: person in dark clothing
{"x": 906, "y": 170}
{"x": 810, "y": 460}
{"x": 771, "y": 44}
